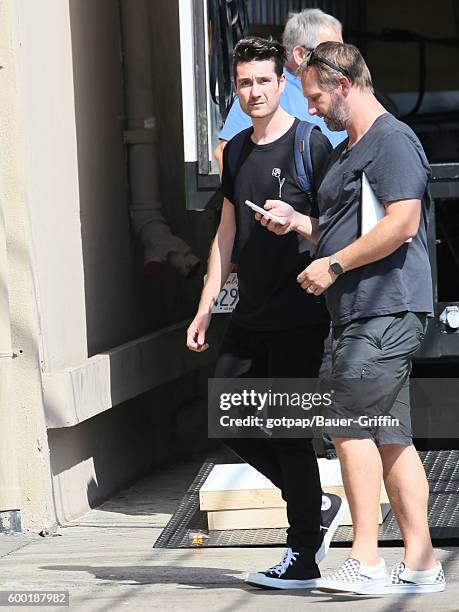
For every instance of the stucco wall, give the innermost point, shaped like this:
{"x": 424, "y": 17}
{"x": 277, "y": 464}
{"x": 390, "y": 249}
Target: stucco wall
{"x": 30, "y": 448}
{"x": 76, "y": 285}
{"x": 48, "y": 114}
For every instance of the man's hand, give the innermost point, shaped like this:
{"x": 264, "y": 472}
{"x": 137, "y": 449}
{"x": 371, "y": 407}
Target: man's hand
{"x": 282, "y": 210}
{"x": 196, "y": 333}
{"x": 317, "y": 277}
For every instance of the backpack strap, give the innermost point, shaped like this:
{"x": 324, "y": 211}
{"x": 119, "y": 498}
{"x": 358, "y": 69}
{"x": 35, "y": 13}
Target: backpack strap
{"x": 303, "y": 166}
{"x": 303, "y": 161}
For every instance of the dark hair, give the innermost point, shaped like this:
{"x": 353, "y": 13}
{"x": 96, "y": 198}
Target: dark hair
{"x": 259, "y": 49}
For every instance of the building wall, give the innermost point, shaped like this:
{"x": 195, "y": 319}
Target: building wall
{"x": 92, "y": 293}
{"x": 25, "y": 403}
{"x": 47, "y": 112}
{"x": 76, "y": 284}
{"x": 95, "y": 458}
{"x": 111, "y": 280}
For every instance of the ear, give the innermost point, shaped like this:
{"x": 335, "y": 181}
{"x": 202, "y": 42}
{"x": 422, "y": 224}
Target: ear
{"x": 345, "y": 85}
{"x": 299, "y": 54}
{"x": 282, "y": 82}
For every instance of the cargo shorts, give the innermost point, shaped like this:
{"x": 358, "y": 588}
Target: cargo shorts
{"x": 371, "y": 364}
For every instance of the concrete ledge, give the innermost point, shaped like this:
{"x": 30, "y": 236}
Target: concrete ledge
{"x": 107, "y": 379}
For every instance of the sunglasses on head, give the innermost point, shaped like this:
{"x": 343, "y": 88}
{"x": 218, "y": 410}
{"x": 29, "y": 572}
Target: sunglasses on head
{"x": 314, "y": 57}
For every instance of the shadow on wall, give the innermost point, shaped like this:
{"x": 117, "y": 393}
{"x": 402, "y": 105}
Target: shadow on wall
{"x": 165, "y": 252}
{"x": 124, "y": 299}
{"x": 112, "y": 287}
{"x": 93, "y": 460}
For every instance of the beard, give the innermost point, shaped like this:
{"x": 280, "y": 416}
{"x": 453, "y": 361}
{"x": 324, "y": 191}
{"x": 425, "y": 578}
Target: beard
{"x": 338, "y": 114}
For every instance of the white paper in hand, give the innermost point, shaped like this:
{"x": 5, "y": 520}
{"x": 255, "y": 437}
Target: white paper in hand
{"x": 372, "y": 209}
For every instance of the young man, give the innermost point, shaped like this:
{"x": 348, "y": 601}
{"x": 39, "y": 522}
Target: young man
{"x": 303, "y": 32}
{"x": 379, "y": 294}
{"x": 276, "y": 330}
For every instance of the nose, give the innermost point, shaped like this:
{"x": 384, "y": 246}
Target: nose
{"x": 255, "y": 90}
{"x": 312, "y": 109}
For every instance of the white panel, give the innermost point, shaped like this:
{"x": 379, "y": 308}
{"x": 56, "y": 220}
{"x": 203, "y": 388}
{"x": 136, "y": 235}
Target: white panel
{"x": 187, "y": 61}
{"x": 208, "y": 99}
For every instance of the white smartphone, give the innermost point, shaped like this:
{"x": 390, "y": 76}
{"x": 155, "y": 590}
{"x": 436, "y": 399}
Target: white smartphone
{"x": 264, "y": 212}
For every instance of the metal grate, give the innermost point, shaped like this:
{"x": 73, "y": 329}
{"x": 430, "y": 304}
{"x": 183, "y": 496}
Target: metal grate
{"x": 442, "y": 469}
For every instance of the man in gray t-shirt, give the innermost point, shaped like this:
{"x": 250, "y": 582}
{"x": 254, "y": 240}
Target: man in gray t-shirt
{"x": 378, "y": 290}
{"x": 394, "y": 163}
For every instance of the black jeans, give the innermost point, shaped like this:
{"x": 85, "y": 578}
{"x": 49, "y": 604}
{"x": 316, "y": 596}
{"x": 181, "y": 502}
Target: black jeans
{"x": 290, "y": 463}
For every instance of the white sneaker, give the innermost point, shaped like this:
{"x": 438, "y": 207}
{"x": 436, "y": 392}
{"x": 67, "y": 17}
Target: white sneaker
{"x": 404, "y": 580}
{"x": 354, "y": 577}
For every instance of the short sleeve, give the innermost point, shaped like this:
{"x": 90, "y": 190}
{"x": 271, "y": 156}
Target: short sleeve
{"x": 226, "y": 187}
{"x": 320, "y": 157}
{"x": 399, "y": 169}
{"x": 236, "y": 121}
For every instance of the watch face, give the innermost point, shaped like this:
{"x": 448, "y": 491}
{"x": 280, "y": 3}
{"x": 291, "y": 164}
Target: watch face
{"x": 336, "y": 267}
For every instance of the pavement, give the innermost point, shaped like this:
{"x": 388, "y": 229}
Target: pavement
{"x": 106, "y": 562}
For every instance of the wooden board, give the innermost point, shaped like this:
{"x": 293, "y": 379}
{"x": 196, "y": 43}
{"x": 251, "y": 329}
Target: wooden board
{"x": 255, "y": 518}
{"x": 264, "y": 518}
{"x": 238, "y": 486}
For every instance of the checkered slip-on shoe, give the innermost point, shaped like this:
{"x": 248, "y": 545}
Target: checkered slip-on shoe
{"x": 292, "y": 572}
{"x": 353, "y": 577}
{"x": 334, "y": 508}
{"x": 404, "y": 580}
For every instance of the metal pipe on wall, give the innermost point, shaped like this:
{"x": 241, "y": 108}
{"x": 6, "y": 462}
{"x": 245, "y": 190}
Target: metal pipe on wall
{"x": 160, "y": 244}
{"x": 10, "y": 498}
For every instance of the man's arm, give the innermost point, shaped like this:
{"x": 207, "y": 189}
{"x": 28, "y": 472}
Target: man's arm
{"x": 307, "y": 227}
{"x": 218, "y": 155}
{"x": 219, "y": 264}
{"x": 218, "y": 269}
{"x": 400, "y": 223}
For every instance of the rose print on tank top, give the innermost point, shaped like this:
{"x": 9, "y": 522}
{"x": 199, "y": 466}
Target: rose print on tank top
{"x": 277, "y": 174}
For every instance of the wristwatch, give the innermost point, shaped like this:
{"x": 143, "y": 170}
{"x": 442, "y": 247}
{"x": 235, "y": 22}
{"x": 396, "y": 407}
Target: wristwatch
{"x": 335, "y": 266}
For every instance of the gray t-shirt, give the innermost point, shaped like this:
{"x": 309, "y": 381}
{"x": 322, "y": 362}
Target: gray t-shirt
{"x": 394, "y": 162}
